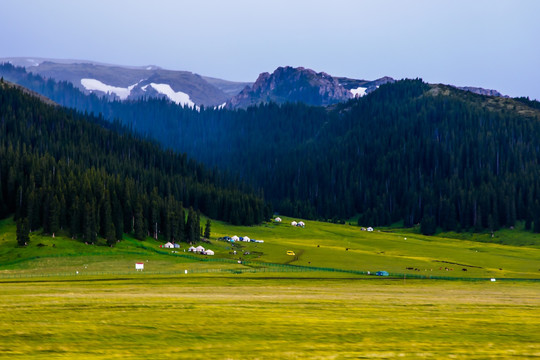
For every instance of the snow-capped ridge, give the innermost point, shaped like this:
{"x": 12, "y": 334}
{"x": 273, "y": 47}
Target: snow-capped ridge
{"x": 96, "y": 85}
{"x": 178, "y": 97}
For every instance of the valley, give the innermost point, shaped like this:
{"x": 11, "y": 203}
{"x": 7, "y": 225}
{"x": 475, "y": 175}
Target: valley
{"x": 269, "y": 180}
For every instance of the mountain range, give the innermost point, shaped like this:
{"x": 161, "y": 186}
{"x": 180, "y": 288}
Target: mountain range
{"x": 407, "y": 152}
{"x": 116, "y": 82}
{"x": 285, "y": 84}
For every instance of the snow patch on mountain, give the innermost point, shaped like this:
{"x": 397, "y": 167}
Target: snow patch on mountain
{"x": 359, "y": 91}
{"x": 179, "y": 97}
{"x": 96, "y": 85}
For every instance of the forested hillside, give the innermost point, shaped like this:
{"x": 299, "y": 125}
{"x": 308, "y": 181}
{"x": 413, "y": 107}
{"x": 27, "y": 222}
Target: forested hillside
{"x": 62, "y": 170}
{"x": 410, "y": 152}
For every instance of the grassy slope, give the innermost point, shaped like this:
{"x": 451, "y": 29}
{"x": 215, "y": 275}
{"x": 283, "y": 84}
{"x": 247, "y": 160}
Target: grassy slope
{"x": 324, "y": 245}
{"x": 318, "y": 245}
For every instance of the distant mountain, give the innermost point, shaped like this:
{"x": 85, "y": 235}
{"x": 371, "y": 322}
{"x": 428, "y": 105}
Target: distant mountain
{"x": 288, "y": 84}
{"x": 285, "y": 84}
{"x": 129, "y": 82}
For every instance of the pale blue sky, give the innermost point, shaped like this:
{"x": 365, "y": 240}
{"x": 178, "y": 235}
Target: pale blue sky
{"x": 492, "y": 44}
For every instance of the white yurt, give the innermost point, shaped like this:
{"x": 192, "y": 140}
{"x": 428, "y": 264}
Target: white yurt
{"x": 199, "y": 249}
{"x": 370, "y": 229}
{"x": 168, "y": 245}
{"x": 301, "y": 223}
{"x": 235, "y": 238}
{"x": 278, "y": 219}
{"x": 209, "y": 252}
{"x": 245, "y": 239}
{"x": 192, "y": 249}
{"x": 294, "y": 223}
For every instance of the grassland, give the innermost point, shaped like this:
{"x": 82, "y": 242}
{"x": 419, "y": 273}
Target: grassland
{"x": 318, "y": 245}
{"x": 244, "y": 317}
{"x": 63, "y": 299}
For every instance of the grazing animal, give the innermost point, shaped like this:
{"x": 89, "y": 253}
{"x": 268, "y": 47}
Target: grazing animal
{"x": 464, "y": 269}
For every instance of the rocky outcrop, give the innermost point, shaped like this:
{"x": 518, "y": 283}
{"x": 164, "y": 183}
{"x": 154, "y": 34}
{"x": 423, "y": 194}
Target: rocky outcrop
{"x": 481, "y": 91}
{"x": 288, "y": 84}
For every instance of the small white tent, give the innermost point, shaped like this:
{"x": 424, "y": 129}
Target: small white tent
{"x": 192, "y": 249}
{"x": 199, "y": 249}
{"x": 278, "y": 219}
{"x": 169, "y": 245}
{"x": 294, "y": 223}
{"x": 235, "y": 238}
{"x": 245, "y": 239}
{"x": 301, "y": 223}
{"x": 209, "y": 252}
{"x": 370, "y": 229}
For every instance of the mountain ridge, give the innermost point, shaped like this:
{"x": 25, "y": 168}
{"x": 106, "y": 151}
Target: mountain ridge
{"x": 284, "y": 84}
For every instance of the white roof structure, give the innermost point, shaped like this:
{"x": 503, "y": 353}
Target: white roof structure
{"x": 209, "y": 252}
{"x": 370, "y": 229}
{"x": 169, "y": 245}
{"x": 294, "y": 223}
{"x": 235, "y": 238}
{"x": 301, "y": 223}
{"x": 245, "y": 238}
{"x": 278, "y": 219}
{"x": 192, "y": 249}
{"x": 199, "y": 248}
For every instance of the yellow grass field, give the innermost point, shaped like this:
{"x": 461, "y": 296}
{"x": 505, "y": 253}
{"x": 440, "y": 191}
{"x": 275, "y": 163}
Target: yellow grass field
{"x": 277, "y": 317}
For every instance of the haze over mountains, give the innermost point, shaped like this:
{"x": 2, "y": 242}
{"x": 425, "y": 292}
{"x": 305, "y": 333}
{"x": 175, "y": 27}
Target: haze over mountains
{"x": 285, "y": 84}
{"x": 116, "y": 82}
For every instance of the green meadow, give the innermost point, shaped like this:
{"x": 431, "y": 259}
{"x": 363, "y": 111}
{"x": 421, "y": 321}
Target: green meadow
{"x": 63, "y": 299}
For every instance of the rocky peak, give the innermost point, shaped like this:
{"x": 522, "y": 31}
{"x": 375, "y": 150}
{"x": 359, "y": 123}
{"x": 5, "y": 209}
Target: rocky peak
{"x": 288, "y": 84}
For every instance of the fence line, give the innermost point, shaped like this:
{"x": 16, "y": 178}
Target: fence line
{"x": 271, "y": 268}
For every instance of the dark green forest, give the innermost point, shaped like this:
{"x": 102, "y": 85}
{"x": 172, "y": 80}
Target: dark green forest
{"x": 412, "y": 152}
{"x": 60, "y": 169}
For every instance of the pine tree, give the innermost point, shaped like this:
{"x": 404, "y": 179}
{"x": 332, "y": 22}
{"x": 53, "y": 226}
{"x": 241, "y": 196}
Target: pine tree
{"x": 191, "y": 229}
{"x": 54, "y": 215}
{"x": 139, "y": 222}
{"x": 428, "y": 225}
{"x": 207, "y": 229}
{"x": 197, "y": 226}
{"x": 23, "y": 232}
{"x": 75, "y": 218}
{"x": 155, "y": 206}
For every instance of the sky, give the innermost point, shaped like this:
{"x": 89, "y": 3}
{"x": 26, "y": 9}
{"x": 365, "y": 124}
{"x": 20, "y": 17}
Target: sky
{"x": 492, "y": 44}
